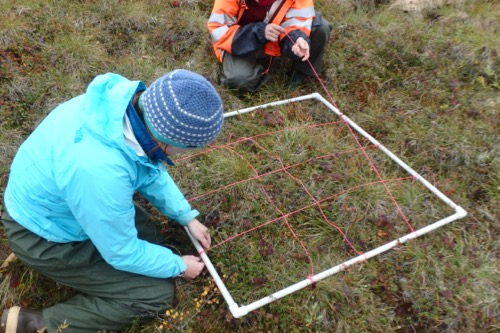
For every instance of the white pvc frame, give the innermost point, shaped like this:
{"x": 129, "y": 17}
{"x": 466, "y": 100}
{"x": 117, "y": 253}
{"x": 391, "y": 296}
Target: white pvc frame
{"x": 239, "y": 311}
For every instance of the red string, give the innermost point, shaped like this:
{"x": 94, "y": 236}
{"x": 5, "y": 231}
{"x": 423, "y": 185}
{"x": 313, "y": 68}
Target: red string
{"x": 268, "y": 67}
{"x": 353, "y": 134}
{"x": 285, "y": 169}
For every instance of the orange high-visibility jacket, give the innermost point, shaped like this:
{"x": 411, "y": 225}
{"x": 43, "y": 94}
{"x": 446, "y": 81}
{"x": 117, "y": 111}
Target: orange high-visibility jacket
{"x": 223, "y": 22}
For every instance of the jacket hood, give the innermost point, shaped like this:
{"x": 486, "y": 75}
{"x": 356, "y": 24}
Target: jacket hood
{"x": 106, "y": 101}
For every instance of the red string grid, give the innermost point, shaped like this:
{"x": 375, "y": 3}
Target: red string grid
{"x": 315, "y": 194}
{"x": 292, "y": 191}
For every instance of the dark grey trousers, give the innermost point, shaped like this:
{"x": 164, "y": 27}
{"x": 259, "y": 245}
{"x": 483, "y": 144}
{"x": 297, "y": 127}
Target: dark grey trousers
{"x": 110, "y": 299}
{"x": 244, "y": 72}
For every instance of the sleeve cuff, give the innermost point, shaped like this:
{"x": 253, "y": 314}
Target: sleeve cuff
{"x": 182, "y": 267}
{"x": 260, "y": 32}
{"x": 186, "y": 218}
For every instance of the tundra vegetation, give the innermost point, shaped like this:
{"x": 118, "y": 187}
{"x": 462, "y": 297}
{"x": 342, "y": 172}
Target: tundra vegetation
{"x": 420, "y": 76}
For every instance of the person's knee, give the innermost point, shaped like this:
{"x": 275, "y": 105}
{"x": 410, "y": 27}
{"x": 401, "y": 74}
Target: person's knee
{"x": 240, "y": 80}
{"x": 158, "y": 297}
{"x": 321, "y": 33}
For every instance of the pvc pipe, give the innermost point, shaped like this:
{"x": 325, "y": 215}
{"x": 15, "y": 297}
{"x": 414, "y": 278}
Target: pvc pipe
{"x": 396, "y": 159}
{"x": 361, "y": 258}
{"x": 263, "y": 106}
{"x": 238, "y": 311}
{"x": 233, "y": 307}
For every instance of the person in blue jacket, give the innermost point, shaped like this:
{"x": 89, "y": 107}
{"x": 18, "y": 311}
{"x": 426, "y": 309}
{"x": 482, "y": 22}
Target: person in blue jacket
{"x": 69, "y": 208}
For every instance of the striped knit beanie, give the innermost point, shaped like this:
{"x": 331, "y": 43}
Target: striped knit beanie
{"x": 183, "y": 109}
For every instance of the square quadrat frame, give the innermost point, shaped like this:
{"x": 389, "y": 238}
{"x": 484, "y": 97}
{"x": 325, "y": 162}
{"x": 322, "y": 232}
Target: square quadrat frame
{"x": 242, "y": 310}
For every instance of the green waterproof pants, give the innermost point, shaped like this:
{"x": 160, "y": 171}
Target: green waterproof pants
{"x": 109, "y": 299}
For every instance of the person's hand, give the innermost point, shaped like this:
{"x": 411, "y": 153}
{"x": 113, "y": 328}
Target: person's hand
{"x": 194, "y": 266}
{"x": 273, "y": 32}
{"x": 200, "y": 232}
{"x": 301, "y": 49}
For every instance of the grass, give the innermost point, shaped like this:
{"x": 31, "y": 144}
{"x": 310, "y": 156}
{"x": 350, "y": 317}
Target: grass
{"x": 425, "y": 84}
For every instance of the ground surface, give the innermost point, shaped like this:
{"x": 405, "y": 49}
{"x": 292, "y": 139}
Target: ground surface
{"x": 422, "y": 81}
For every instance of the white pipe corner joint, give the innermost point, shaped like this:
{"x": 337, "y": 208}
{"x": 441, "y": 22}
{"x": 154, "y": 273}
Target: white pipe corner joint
{"x": 237, "y": 311}
{"x": 461, "y": 212}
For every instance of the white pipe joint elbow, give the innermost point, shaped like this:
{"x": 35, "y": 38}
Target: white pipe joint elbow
{"x": 238, "y": 312}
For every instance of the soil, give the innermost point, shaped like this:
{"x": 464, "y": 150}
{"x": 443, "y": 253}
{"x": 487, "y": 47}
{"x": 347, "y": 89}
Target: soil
{"x": 4, "y": 247}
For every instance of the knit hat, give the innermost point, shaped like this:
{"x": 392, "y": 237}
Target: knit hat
{"x": 182, "y": 109}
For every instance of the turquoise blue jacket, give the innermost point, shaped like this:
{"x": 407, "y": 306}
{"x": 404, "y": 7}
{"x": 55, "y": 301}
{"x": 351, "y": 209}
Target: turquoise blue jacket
{"x": 74, "y": 178}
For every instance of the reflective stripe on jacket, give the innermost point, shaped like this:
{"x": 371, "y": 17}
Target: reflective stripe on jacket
{"x": 223, "y": 24}
{"x": 74, "y": 179}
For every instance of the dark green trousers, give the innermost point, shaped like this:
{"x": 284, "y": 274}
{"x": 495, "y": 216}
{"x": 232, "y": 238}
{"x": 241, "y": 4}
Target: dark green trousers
{"x": 110, "y": 299}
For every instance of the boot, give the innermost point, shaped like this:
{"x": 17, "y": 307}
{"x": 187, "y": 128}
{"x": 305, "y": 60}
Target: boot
{"x": 295, "y": 79}
{"x": 22, "y": 320}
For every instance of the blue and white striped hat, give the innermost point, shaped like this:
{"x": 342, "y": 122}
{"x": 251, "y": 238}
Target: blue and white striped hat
{"x": 183, "y": 109}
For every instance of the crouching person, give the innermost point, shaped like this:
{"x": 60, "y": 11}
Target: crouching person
{"x": 69, "y": 208}
{"x": 246, "y": 34}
